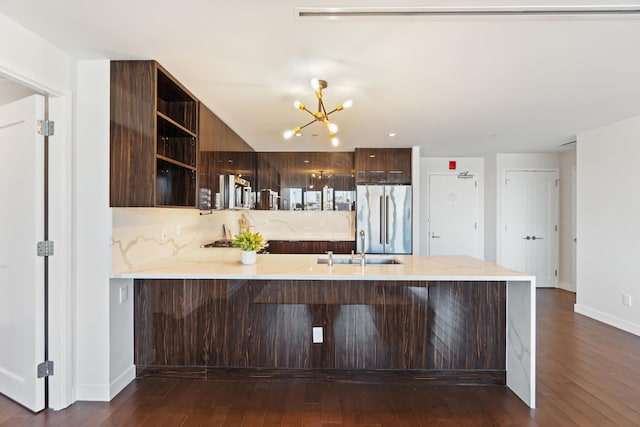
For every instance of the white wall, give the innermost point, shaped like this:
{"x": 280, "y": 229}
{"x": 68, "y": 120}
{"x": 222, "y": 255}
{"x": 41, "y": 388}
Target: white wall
{"x": 608, "y": 230}
{"x": 490, "y": 203}
{"x": 37, "y": 64}
{"x": 566, "y": 279}
{"x": 92, "y": 217}
{"x": 429, "y": 165}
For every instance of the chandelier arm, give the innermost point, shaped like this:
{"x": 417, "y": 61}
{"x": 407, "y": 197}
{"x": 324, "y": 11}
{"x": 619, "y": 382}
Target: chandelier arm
{"x": 332, "y": 111}
{"x": 311, "y": 122}
{"x": 309, "y": 111}
{"x": 321, "y": 108}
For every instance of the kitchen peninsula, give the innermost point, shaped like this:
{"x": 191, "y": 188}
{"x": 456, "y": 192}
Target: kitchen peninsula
{"x": 451, "y": 319}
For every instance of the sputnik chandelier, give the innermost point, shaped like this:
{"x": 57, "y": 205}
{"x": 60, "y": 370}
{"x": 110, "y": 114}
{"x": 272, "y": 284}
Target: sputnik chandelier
{"x": 321, "y": 116}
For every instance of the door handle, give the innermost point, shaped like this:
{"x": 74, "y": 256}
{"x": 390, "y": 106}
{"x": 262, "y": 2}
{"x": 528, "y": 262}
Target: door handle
{"x": 536, "y": 238}
{"x": 386, "y": 219}
{"x": 382, "y": 220}
{"x": 526, "y": 238}
{"x": 433, "y": 236}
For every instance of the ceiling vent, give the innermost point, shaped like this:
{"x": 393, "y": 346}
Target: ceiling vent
{"x": 419, "y": 11}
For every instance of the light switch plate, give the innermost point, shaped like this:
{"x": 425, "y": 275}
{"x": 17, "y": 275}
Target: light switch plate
{"x": 317, "y": 334}
{"x": 124, "y": 294}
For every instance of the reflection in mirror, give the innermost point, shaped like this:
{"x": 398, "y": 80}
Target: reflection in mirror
{"x": 312, "y": 200}
{"x": 327, "y": 199}
{"x": 344, "y": 200}
{"x": 308, "y": 180}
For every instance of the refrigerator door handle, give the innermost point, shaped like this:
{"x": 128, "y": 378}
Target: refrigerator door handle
{"x": 386, "y": 220}
{"x": 382, "y": 219}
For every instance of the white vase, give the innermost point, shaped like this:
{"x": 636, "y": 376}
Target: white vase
{"x": 248, "y": 257}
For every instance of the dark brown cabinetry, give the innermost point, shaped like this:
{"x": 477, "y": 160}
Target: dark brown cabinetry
{"x": 154, "y": 141}
{"x": 222, "y": 152}
{"x": 311, "y": 246}
{"x": 300, "y": 178}
{"x": 383, "y": 165}
{"x": 443, "y": 331}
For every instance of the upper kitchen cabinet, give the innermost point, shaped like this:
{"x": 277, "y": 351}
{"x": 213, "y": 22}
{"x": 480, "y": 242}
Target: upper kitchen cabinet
{"x": 154, "y": 137}
{"x": 222, "y": 152}
{"x": 307, "y": 180}
{"x": 383, "y": 165}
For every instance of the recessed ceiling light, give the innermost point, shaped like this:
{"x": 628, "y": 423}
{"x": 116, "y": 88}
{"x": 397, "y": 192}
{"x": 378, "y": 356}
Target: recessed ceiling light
{"x": 306, "y": 161}
{"x": 392, "y": 134}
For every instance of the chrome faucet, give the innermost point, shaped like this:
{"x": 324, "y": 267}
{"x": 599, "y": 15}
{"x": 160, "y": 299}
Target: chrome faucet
{"x": 362, "y": 252}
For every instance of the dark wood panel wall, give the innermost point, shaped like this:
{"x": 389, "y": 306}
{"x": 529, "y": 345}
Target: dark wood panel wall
{"x": 187, "y": 325}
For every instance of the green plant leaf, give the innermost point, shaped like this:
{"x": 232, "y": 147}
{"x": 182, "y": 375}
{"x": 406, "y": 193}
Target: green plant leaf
{"x": 248, "y": 241}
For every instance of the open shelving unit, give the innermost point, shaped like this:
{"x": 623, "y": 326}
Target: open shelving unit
{"x": 154, "y": 137}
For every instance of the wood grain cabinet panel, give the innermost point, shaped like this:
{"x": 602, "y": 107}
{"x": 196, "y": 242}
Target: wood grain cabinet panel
{"x": 383, "y": 165}
{"x": 311, "y": 246}
{"x": 153, "y": 137}
{"x": 451, "y": 331}
{"x": 222, "y": 152}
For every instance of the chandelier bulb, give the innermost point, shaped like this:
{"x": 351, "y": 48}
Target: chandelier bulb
{"x": 335, "y": 141}
{"x": 315, "y": 84}
{"x": 288, "y": 134}
{"x": 347, "y": 104}
{"x": 333, "y": 128}
{"x": 299, "y": 105}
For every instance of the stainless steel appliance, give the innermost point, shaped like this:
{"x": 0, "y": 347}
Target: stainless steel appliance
{"x": 384, "y": 213}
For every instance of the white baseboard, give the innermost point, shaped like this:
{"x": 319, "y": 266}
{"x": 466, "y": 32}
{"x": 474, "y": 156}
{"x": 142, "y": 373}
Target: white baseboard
{"x": 122, "y": 381}
{"x": 567, "y": 286}
{"x": 610, "y": 320}
{"x": 92, "y": 392}
{"x": 104, "y": 393}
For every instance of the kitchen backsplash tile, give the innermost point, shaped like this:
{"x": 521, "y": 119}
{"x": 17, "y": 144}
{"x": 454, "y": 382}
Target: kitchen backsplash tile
{"x": 141, "y": 235}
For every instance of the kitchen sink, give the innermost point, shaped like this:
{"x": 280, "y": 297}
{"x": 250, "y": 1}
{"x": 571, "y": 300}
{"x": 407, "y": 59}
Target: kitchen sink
{"x": 356, "y": 261}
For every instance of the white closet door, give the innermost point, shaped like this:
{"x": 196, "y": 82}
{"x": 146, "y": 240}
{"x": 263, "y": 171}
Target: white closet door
{"x": 21, "y": 270}
{"x": 530, "y": 218}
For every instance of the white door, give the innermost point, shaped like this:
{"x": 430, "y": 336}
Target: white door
{"x": 530, "y": 224}
{"x": 453, "y": 215}
{"x": 21, "y": 270}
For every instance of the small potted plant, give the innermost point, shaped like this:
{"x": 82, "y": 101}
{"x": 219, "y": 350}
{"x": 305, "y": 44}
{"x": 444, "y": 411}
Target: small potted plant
{"x": 249, "y": 243}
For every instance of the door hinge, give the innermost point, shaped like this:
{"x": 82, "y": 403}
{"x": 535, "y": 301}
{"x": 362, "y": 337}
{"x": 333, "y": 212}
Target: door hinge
{"x": 556, "y": 273}
{"x": 45, "y": 127}
{"x": 557, "y": 182}
{"x": 556, "y": 228}
{"x": 45, "y": 369}
{"x": 45, "y": 248}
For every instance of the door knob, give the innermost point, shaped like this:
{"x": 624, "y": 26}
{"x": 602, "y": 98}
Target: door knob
{"x": 433, "y": 236}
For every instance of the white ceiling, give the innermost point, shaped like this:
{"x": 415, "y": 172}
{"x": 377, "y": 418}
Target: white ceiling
{"x": 454, "y": 85}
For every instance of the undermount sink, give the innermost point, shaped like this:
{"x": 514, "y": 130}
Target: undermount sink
{"x": 356, "y": 261}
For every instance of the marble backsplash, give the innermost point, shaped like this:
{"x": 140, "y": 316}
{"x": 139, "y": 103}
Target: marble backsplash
{"x": 142, "y": 235}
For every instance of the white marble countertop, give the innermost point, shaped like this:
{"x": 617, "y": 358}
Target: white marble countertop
{"x": 224, "y": 263}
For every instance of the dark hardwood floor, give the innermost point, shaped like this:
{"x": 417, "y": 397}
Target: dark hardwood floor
{"x": 588, "y": 375}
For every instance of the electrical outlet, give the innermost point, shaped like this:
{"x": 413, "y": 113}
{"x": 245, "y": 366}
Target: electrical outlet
{"x": 317, "y": 334}
{"x": 124, "y": 294}
{"x": 626, "y": 300}
{"x": 163, "y": 233}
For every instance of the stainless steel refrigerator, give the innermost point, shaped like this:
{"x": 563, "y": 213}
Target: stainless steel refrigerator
{"x": 384, "y": 213}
